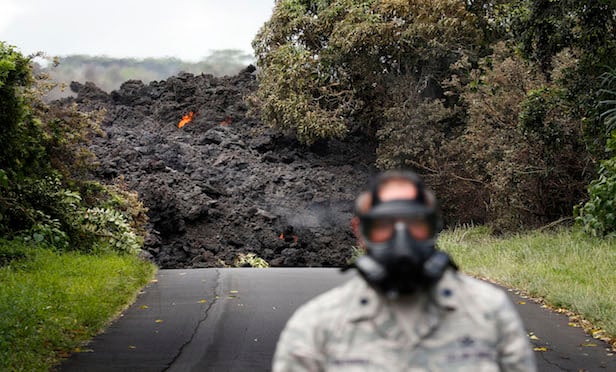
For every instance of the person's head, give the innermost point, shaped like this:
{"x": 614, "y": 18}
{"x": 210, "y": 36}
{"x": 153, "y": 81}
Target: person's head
{"x": 416, "y": 208}
{"x": 397, "y": 222}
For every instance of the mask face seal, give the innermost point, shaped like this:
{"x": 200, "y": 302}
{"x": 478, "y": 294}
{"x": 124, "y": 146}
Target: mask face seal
{"x": 401, "y": 257}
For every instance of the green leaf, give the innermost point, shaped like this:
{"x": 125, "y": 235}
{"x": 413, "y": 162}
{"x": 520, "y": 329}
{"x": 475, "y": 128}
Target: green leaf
{"x": 4, "y": 179}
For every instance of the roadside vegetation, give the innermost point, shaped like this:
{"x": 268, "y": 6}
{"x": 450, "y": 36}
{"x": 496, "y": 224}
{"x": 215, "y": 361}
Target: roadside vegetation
{"x": 52, "y": 302}
{"x": 68, "y": 245}
{"x": 565, "y": 267}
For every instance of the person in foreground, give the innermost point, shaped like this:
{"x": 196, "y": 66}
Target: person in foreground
{"x": 410, "y": 309}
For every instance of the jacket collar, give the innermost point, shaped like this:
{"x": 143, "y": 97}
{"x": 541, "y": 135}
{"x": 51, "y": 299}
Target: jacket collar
{"x": 366, "y": 303}
{"x": 448, "y": 291}
{"x": 421, "y": 312}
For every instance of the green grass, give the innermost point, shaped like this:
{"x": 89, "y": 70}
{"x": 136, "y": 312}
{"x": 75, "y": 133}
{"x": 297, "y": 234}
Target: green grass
{"x": 566, "y": 268}
{"x": 51, "y": 302}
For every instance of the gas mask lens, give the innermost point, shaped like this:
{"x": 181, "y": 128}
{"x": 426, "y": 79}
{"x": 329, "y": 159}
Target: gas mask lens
{"x": 380, "y": 230}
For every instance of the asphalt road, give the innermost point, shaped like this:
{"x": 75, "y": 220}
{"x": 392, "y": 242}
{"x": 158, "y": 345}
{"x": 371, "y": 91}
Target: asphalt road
{"x": 230, "y": 319}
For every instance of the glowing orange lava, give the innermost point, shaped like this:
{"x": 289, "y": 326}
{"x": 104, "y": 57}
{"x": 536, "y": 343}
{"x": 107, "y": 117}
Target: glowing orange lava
{"x": 295, "y": 237}
{"x": 186, "y": 119}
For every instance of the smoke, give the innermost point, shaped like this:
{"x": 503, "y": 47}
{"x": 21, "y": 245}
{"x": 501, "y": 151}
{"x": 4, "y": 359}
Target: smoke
{"x": 319, "y": 215}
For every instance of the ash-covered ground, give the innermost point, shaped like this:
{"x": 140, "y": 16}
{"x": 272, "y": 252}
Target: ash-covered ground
{"x": 226, "y": 184}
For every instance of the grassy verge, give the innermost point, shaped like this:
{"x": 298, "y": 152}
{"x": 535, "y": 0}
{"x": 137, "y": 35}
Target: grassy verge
{"x": 566, "y": 268}
{"x": 51, "y": 302}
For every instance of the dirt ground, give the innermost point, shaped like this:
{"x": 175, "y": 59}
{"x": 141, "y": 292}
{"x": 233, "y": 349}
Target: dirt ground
{"x": 224, "y": 183}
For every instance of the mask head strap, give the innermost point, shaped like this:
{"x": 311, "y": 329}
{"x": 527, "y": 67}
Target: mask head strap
{"x": 404, "y": 175}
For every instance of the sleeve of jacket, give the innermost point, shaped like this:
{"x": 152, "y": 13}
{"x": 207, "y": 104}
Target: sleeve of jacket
{"x": 514, "y": 350}
{"x": 300, "y": 344}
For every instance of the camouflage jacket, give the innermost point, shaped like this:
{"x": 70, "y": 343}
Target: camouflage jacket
{"x": 462, "y": 324}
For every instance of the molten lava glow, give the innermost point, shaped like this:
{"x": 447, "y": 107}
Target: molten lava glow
{"x": 228, "y": 120}
{"x": 186, "y": 119}
{"x": 295, "y": 237}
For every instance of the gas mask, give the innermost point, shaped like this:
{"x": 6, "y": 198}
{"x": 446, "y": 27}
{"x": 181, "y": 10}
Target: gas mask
{"x": 400, "y": 236}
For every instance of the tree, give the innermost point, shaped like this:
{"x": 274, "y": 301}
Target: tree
{"x": 109, "y": 73}
{"x": 16, "y": 125}
{"x": 327, "y": 67}
{"x": 521, "y": 143}
{"x": 544, "y": 28}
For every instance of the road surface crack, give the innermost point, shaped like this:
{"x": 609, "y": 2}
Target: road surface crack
{"x": 550, "y": 362}
{"x": 201, "y": 321}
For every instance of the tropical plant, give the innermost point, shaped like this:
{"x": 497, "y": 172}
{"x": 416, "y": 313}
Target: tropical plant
{"x": 111, "y": 230}
{"x": 608, "y": 80}
{"x": 249, "y": 260}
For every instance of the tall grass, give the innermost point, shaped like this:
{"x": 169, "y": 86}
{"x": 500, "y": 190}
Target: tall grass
{"x": 565, "y": 267}
{"x": 50, "y": 302}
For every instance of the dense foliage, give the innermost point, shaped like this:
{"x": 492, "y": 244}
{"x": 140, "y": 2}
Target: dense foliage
{"x": 598, "y": 214}
{"x": 329, "y": 67}
{"x": 542, "y": 29}
{"x": 44, "y": 196}
{"x": 494, "y": 102}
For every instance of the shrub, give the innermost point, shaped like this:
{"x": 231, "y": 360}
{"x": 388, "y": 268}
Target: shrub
{"x": 111, "y": 230}
{"x": 609, "y": 104}
{"x": 521, "y": 144}
{"x": 117, "y": 196}
{"x": 43, "y": 162}
{"x": 598, "y": 214}
{"x": 13, "y": 251}
{"x": 249, "y": 260}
